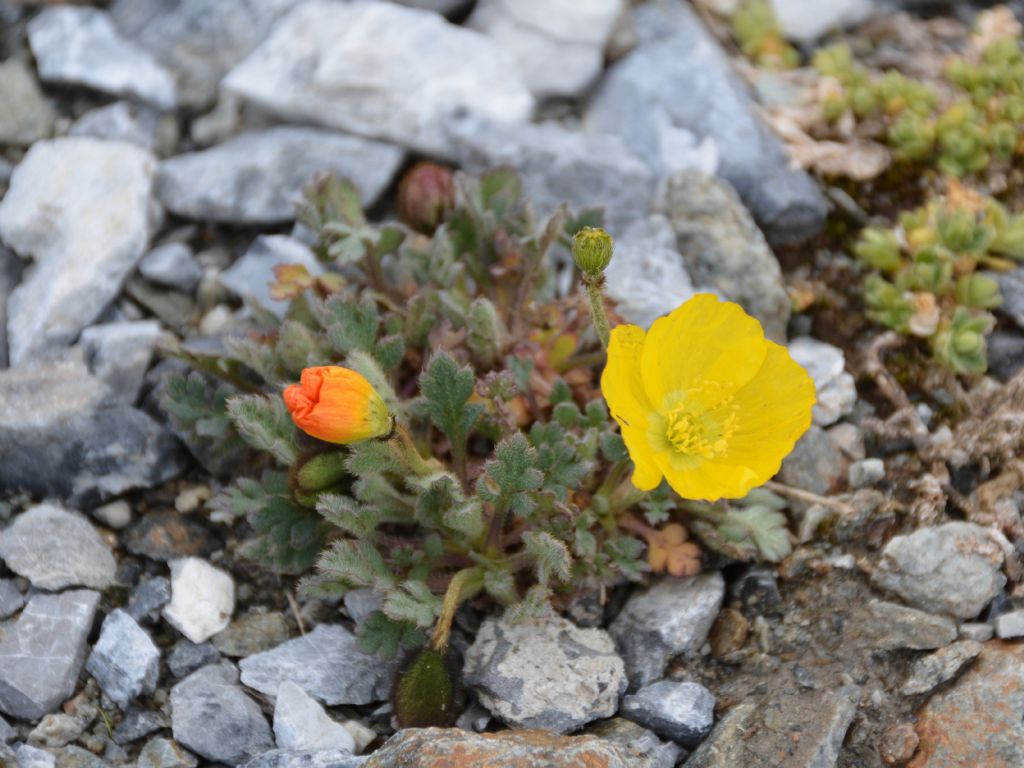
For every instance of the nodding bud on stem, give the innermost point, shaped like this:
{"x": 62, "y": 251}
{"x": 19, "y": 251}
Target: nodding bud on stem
{"x": 592, "y": 250}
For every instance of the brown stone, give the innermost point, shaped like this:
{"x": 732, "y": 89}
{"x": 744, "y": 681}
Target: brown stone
{"x": 898, "y": 743}
{"x": 454, "y": 748}
{"x": 979, "y": 721}
{"x": 729, "y": 632}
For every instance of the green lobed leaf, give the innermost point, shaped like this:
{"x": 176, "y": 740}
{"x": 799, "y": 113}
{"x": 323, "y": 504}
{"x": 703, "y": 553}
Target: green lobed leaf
{"x": 446, "y": 387}
{"x": 264, "y": 423}
{"x": 385, "y": 637}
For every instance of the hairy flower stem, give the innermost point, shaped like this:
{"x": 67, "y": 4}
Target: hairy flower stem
{"x": 407, "y": 452}
{"x": 594, "y": 283}
{"x": 452, "y": 598}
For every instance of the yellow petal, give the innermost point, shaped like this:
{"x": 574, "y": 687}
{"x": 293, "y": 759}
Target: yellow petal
{"x": 708, "y": 480}
{"x": 773, "y": 411}
{"x": 646, "y": 473}
{"x": 704, "y": 340}
{"x": 620, "y": 381}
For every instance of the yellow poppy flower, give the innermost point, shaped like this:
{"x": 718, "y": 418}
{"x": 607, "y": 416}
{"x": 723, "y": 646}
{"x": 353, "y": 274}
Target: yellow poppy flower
{"x": 704, "y": 400}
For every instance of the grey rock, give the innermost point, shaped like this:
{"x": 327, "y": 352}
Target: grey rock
{"x": 73, "y": 756}
{"x": 54, "y": 548}
{"x": 317, "y": 758}
{"x": 138, "y": 722}
{"x": 640, "y": 742}
{"x": 257, "y": 178}
{"x": 301, "y": 724}
{"x": 816, "y": 464}
{"x": 360, "y": 603}
{"x": 148, "y": 599}
{"x": 82, "y": 46}
{"x": 953, "y": 569}
{"x": 557, "y": 45}
{"x": 82, "y": 208}
{"x": 640, "y": 99}
{"x": 897, "y": 626}
{"x": 866, "y": 472}
{"x": 33, "y": 757}
{"x": 7, "y": 732}
{"x": 835, "y": 389}
{"x": 805, "y": 23}
{"x": 380, "y": 70}
{"x": 1011, "y": 286}
{"x": 212, "y": 716}
{"x": 646, "y": 277}
{"x": 683, "y": 712}
{"x": 444, "y": 7}
{"x": 41, "y": 657}
{"x": 250, "y": 277}
{"x": 1005, "y": 354}
{"x": 326, "y": 663}
{"x": 559, "y": 165}
{"x": 252, "y": 633}
{"x": 115, "y": 514}
{"x": 119, "y": 355}
{"x": 202, "y": 599}
{"x": 186, "y": 657}
{"x": 11, "y": 599}
{"x": 165, "y": 753}
{"x": 544, "y": 673}
{"x": 60, "y": 436}
{"x": 980, "y": 632}
{"x": 1010, "y": 624}
{"x": 172, "y": 265}
{"x": 931, "y": 671}
{"x": 124, "y": 661}
{"x": 27, "y": 115}
{"x": 121, "y": 121}
{"x": 198, "y": 40}
{"x": 671, "y": 618}
{"x": 723, "y": 248}
{"x": 11, "y": 268}
{"x": 57, "y": 730}
{"x": 727, "y": 745}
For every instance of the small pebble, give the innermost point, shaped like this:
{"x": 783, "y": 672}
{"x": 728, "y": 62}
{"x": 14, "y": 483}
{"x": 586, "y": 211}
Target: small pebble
{"x": 978, "y": 631}
{"x": 202, "y": 599}
{"x": 1010, "y": 624}
{"x": 866, "y": 472}
{"x": 898, "y": 744}
{"x": 116, "y": 514}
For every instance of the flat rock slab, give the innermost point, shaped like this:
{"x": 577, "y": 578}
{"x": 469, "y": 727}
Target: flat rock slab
{"x": 326, "y": 663}
{"x": 545, "y": 673}
{"x": 897, "y": 626}
{"x": 213, "y": 716}
{"x": 82, "y": 209}
{"x": 380, "y": 70}
{"x": 454, "y": 748}
{"x": 54, "y": 548}
{"x": 257, "y": 178}
{"x": 979, "y": 721}
{"x": 40, "y": 658}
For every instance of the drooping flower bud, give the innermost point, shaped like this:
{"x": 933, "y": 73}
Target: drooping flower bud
{"x": 425, "y": 194}
{"x": 337, "y": 405}
{"x": 592, "y": 250}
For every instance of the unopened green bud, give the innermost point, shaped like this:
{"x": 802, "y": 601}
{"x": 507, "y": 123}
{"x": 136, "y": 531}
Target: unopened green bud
{"x": 321, "y": 471}
{"x": 879, "y": 248}
{"x": 978, "y": 292}
{"x": 426, "y": 692}
{"x": 592, "y": 250}
{"x": 487, "y": 334}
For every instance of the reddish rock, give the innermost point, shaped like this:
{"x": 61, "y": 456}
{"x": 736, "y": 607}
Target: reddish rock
{"x": 898, "y": 744}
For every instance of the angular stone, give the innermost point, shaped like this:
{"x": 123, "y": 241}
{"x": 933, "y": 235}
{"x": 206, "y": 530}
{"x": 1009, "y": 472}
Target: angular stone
{"x": 186, "y": 657}
{"x": 835, "y": 388}
{"x": 866, "y": 472}
{"x": 11, "y": 268}
{"x": 11, "y": 599}
{"x": 136, "y": 723}
{"x": 54, "y": 548}
{"x": 805, "y": 23}
{"x": 647, "y": 278}
{"x": 82, "y": 46}
{"x": 257, "y": 178}
{"x": 250, "y": 277}
{"x": 198, "y": 40}
{"x": 326, "y": 663}
{"x": 931, "y": 671}
{"x": 27, "y": 116}
{"x": 41, "y": 657}
{"x": 454, "y": 748}
{"x": 1011, "y": 286}
{"x": 897, "y": 626}
{"x": 1005, "y": 354}
{"x": 212, "y": 716}
{"x": 33, "y": 757}
{"x": 1010, "y": 624}
{"x": 816, "y": 464}
{"x": 640, "y": 742}
{"x": 301, "y": 724}
{"x": 60, "y": 436}
{"x": 723, "y": 249}
{"x": 251, "y": 634}
{"x": 683, "y": 712}
{"x": 316, "y": 758}
{"x": 125, "y": 661}
{"x": 953, "y": 569}
{"x": 82, "y": 208}
{"x": 56, "y": 730}
{"x": 672, "y": 617}
{"x": 148, "y": 598}
{"x": 172, "y": 265}
{"x": 380, "y": 70}
{"x": 165, "y": 753}
{"x": 121, "y": 121}
{"x": 544, "y": 673}
{"x": 119, "y": 355}
{"x": 72, "y": 756}
{"x": 979, "y": 720}
{"x": 166, "y": 536}
{"x": 202, "y": 599}
{"x": 559, "y": 165}
{"x": 641, "y": 100}
{"x": 557, "y": 45}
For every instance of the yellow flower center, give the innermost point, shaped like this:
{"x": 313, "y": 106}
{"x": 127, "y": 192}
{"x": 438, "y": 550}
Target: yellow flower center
{"x": 702, "y": 422}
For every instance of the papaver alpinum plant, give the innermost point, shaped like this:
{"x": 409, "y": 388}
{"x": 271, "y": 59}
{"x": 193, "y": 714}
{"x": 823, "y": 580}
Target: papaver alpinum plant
{"x": 434, "y": 422}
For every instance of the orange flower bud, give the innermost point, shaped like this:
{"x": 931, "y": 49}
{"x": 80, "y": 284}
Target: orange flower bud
{"x": 337, "y": 405}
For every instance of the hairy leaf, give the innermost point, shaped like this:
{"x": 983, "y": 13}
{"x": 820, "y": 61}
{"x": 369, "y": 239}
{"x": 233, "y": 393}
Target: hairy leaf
{"x": 264, "y": 423}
